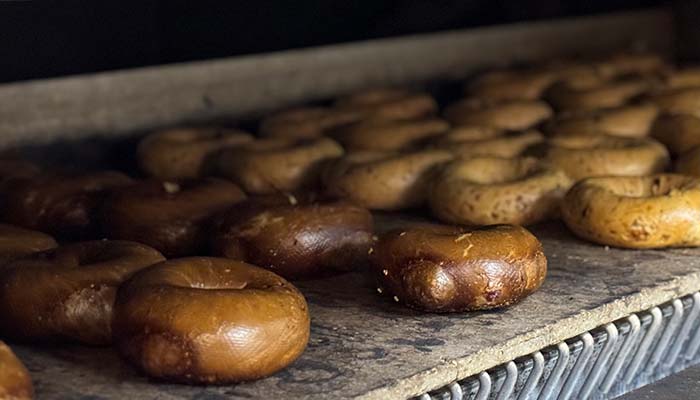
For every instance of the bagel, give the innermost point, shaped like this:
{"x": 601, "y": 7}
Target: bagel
{"x": 15, "y": 382}
{"x": 679, "y": 133}
{"x": 269, "y": 166}
{"x": 67, "y": 293}
{"x": 446, "y": 269}
{"x": 684, "y": 101}
{"x": 13, "y": 168}
{"x": 17, "y": 242}
{"x": 492, "y": 190}
{"x": 466, "y": 133}
{"x": 383, "y": 181}
{"x": 209, "y": 320}
{"x": 389, "y": 135}
{"x": 185, "y": 153}
{"x": 506, "y": 145}
{"x": 171, "y": 217}
{"x": 387, "y": 103}
{"x": 584, "y": 156}
{"x": 689, "y": 162}
{"x": 683, "y": 78}
{"x": 630, "y": 64}
{"x": 596, "y": 95}
{"x": 635, "y": 212}
{"x": 63, "y": 205}
{"x": 512, "y": 84}
{"x": 300, "y": 240}
{"x": 625, "y": 121}
{"x": 510, "y": 115}
{"x": 306, "y": 122}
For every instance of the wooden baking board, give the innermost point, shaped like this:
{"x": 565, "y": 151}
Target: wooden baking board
{"x": 364, "y": 345}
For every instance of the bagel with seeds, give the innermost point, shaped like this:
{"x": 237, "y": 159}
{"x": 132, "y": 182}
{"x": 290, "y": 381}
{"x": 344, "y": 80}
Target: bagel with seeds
{"x": 492, "y": 190}
{"x": 654, "y": 211}
{"x": 439, "y": 268}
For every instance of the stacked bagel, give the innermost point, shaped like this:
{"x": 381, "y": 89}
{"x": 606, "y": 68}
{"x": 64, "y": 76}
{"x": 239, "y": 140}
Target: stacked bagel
{"x": 176, "y": 269}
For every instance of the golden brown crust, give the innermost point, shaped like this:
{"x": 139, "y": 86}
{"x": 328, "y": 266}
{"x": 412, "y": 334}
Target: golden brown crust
{"x": 15, "y": 382}
{"x": 306, "y": 122}
{"x": 683, "y": 101}
{"x": 583, "y": 156}
{"x": 636, "y": 212}
{"x": 172, "y": 217}
{"x": 467, "y": 133}
{"x": 512, "y": 84}
{"x": 621, "y": 64}
{"x": 389, "y": 135}
{"x": 389, "y": 104}
{"x": 492, "y": 190}
{"x": 209, "y": 320}
{"x": 506, "y": 145}
{"x": 186, "y": 153}
{"x": 683, "y": 78}
{"x": 276, "y": 165}
{"x": 625, "y": 121}
{"x": 16, "y": 242}
{"x": 65, "y": 206}
{"x": 679, "y": 133}
{"x": 67, "y": 293}
{"x": 445, "y": 269}
{"x": 383, "y": 181}
{"x": 689, "y": 162}
{"x": 300, "y": 240}
{"x": 597, "y": 95}
{"x": 512, "y": 115}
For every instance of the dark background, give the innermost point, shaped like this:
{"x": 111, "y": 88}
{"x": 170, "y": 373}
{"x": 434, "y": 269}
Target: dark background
{"x": 51, "y": 38}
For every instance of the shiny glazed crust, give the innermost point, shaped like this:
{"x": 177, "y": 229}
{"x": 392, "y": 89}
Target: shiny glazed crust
{"x": 209, "y": 320}
{"x": 445, "y": 269}
{"x": 18, "y": 242}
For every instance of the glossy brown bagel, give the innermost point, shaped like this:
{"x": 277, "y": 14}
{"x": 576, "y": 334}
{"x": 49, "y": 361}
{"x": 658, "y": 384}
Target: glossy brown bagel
{"x": 383, "y": 181}
{"x": 445, "y": 269}
{"x": 18, "y": 242}
{"x": 583, "y": 156}
{"x": 67, "y": 293}
{"x": 389, "y": 135}
{"x": 391, "y": 104}
{"x": 185, "y": 153}
{"x": 597, "y": 95}
{"x": 512, "y": 84}
{"x": 684, "y": 101}
{"x": 300, "y": 240}
{"x": 492, "y": 190}
{"x": 172, "y": 217}
{"x": 689, "y": 162}
{"x": 513, "y": 115}
{"x": 13, "y": 168}
{"x": 506, "y": 145}
{"x": 65, "y": 206}
{"x": 15, "y": 382}
{"x": 275, "y": 165}
{"x": 209, "y": 320}
{"x": 625, "y": 121}
{"x": 679, "y": 133}
{"x": 636, "y": 212}
{"x": 306, "y": 122}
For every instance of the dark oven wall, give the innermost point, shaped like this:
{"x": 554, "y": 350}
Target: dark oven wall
{"x": 46, "y": 38}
